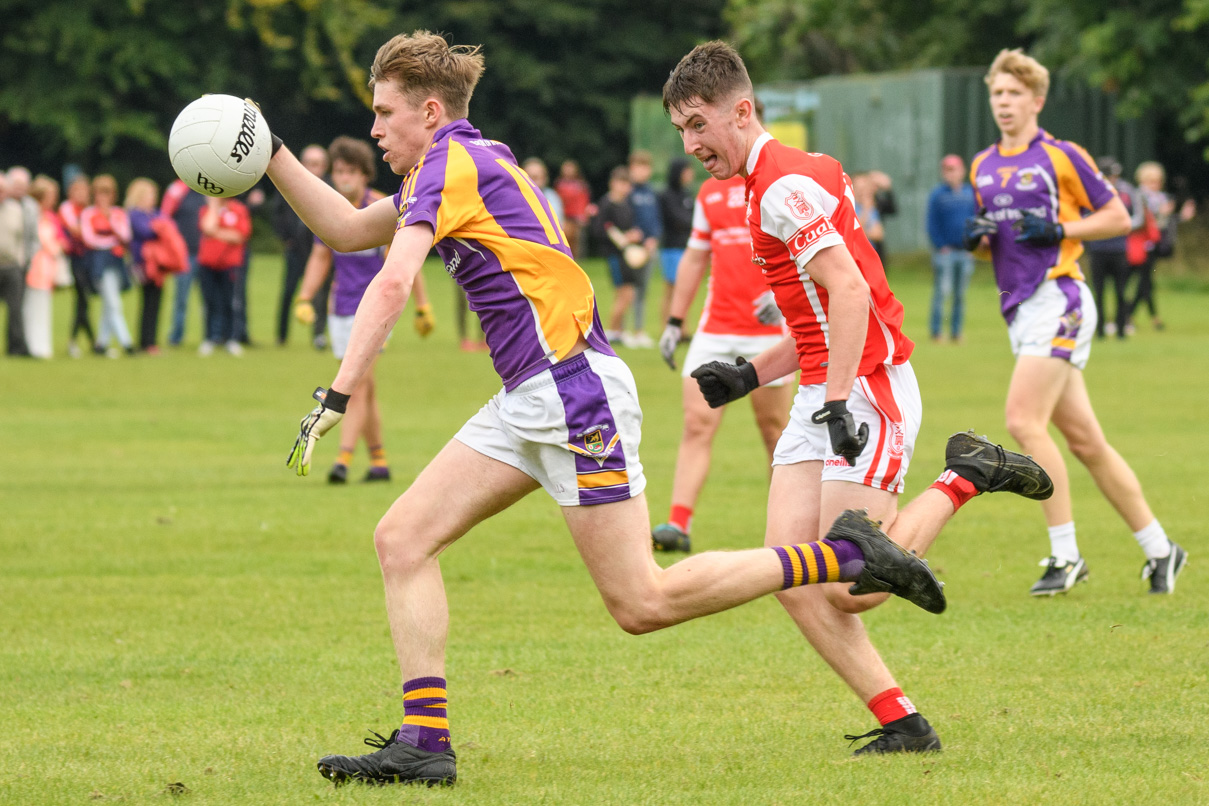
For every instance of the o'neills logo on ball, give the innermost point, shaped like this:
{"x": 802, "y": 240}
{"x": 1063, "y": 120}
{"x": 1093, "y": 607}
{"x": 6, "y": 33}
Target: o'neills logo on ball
{"x": 247, "y": 134}
{"x": 798, "y": 206}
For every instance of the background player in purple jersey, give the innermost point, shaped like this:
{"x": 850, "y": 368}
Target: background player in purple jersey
{"x": 567, "y": 419}
{"x": 1040, "y": 198}
{"x": 353, "y": 168}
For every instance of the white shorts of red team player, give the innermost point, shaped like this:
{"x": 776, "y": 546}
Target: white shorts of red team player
{"x": 888, "y": 400}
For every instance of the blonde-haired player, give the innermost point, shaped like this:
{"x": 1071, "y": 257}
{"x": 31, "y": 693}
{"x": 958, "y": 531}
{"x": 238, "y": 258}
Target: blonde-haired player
{"x": 1041, "y": 198}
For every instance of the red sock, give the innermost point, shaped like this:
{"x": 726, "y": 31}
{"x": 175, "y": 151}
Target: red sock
{"x": 681, "y": 517}
{"x": 890, "y": 705}
{"x": 958, "y": 489}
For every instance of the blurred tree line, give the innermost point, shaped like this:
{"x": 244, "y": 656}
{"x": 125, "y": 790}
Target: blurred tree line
{"x": 99, "y": 81}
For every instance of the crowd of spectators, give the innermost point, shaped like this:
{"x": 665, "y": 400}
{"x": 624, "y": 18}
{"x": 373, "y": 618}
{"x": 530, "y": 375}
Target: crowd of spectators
{"x": 88, "y": 244}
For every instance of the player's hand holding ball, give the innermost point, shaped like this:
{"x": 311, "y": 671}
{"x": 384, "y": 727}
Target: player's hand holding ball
{"x": 721, "y": 383}
{"x": 323, "y": 418}
{"x": 670, "y": 338}
{"x": 846, "y": 440}
{"x": 221, "y": 145}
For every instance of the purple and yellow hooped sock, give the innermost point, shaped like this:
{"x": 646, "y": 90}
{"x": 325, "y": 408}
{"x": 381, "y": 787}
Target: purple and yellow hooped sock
{"x": 425, "y": 721}
{"x": 821, "y": 561}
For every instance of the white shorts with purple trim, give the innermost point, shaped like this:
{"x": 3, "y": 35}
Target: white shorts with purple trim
{"x": 706, "y": 347}
{"x": 573, "y": 428}
{"x": 888, "y": 400}
{"x": 1057, "y": 321}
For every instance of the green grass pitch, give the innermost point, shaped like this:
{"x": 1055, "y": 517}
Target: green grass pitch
{"x": 178, "y": 608}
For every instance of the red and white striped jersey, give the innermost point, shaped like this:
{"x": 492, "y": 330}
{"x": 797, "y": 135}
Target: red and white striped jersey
{"x": 720, "y": 227}
{"x": 797, "y": 204}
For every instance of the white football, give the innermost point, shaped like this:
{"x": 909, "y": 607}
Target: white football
{"x": 220, "y": 145}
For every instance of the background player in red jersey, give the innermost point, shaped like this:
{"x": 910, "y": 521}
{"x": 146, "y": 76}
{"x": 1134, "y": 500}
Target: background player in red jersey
{"x": 739, "y": 318}
{"x": 847, "y": 341}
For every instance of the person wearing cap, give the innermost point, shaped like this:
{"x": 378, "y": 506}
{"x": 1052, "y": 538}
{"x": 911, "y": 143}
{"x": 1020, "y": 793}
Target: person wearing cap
{"x": 949, "y": 205}
{"x": 1108, "y": 256}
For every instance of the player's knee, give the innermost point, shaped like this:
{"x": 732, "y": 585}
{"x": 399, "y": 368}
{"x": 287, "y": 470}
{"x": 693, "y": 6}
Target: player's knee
{"x": 1086, "y": 446}
{"x": 398, "y": 550}
{"x": 1023, "y": 427}
{"x": 638, "y": 617}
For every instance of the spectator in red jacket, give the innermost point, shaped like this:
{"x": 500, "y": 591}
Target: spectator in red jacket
{"x": 225, "y": 228}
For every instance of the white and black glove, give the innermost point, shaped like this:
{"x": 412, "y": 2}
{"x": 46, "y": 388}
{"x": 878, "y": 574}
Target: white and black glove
{"x": 766, "y": 310}
{"x": 846, "y": 440}
{"x": 323, "y": 418}
{"x": 670, "y": 338}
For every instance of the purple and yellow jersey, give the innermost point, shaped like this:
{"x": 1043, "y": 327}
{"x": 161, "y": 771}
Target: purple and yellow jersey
{"x": 1053, "y": 179}
{"x": 353, "y": 271}
{"x": 503, "y": 245}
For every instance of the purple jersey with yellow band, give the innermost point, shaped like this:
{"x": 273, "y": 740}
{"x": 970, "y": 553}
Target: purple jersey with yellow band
{"x": 1052, "y": 179}
{"x": 501, "y": 242}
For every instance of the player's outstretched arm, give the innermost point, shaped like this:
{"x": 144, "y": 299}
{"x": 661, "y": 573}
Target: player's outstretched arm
{"x": 326, "y": 213}
{"x": 689, "y": 272}
{"x": 382, "y": 303}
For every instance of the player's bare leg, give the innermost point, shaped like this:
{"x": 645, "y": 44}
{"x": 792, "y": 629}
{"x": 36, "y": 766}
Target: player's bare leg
{"x": 623, "y": 299}
{"x": 840, "y": 637}
{"x": 457, "y": 490}
{"x": 643, "y": 597}
{"x": 1077, "y": 421}
{"x": 692, "y": 468}
{"x": 379, "y": 470}
{"x": 1037, "y": 385}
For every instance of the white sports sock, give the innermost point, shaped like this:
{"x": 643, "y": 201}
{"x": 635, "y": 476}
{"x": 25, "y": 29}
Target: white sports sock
{"x": 1153, "y": 540}
{"x": 1062, "y": 542}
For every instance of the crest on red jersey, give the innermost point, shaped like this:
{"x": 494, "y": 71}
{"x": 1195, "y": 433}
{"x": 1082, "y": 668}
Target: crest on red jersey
{"x": 798, "y": 206}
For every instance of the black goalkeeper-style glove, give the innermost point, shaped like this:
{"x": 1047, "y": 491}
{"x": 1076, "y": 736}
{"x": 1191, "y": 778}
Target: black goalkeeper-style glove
{"x": 1038, "y": 231}
{"x": 975, "y": 228}
{"x": 846, "y": 440}
{"x": 721, "y": 383}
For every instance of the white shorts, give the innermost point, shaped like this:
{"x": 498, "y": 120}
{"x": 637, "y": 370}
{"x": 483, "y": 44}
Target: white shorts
{"x": 706, "y": 347}
{"x": 340, "y": 328}
{"x": 1057, "y": 321}
{"x": 888, "y": 400}
{"x": 574, "y": 428}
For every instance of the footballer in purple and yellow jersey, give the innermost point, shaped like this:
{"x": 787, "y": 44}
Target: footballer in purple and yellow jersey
{"x": 1052, "y": 179}
{"x": 501, "y": 242}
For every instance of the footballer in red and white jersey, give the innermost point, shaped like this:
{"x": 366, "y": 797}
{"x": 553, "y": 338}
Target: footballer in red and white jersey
{"x": 798, "y": 204}
{"x": 720, "y": 228}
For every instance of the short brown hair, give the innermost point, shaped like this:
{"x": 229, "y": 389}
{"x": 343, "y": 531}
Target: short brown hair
{"x": 356, "y": 153}
{"x": 424, "y": 64}
{"x": 710, "y": 72}
{"x": 1022, "y": 67}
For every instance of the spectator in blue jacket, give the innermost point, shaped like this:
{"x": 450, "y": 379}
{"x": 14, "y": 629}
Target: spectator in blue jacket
{"x": 949, "y": 205}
